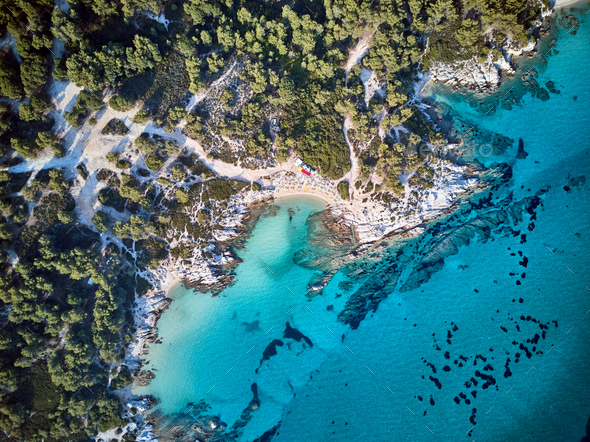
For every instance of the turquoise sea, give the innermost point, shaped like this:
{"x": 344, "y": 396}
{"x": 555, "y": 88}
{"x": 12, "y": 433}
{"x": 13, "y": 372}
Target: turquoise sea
{"x": 490, "y": 342}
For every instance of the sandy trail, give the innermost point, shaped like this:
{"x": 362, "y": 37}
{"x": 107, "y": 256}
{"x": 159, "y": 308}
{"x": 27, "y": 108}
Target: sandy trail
{"x": 359, "y": 51}
{"x": 352, "y": 175}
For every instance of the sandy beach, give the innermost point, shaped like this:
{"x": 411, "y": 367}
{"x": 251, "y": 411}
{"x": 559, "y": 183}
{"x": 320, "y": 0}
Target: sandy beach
{"x": 560, "y": 4}
{"x": 281, "y": 193}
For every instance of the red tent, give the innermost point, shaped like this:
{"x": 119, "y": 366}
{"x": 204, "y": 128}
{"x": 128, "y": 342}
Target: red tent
{"x": 305, "y": 172}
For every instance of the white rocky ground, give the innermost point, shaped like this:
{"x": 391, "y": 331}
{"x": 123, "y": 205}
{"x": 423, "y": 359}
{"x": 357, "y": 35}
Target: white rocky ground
{"x": 468, "y": 73}
{"x": 372, "y": 220}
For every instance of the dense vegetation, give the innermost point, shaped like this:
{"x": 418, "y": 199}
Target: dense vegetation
{"x": 65, "y": 318}
{"x": 65, "y": 299}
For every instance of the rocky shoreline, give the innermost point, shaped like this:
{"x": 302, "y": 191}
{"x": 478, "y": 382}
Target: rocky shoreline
{"x": 485, "y": 76}
{"x": 154, "y": 303}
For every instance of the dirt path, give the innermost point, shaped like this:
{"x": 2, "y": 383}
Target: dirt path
{"x": 359, "y": 51}
{"x": 353, "y": 174}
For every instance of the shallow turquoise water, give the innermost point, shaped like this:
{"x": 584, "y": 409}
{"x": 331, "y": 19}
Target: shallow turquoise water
{"x": 367, "y": 384}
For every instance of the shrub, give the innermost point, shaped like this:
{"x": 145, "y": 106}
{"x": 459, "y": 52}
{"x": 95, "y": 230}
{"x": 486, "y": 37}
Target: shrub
{"x": 92, "y": 121}
{"x": 121, "y": 104}
{"x": 103, "y": 174}
{"x": 182, "y": 196}
{"x": 101, "y": 221}
{"x": 66, "y": 217}
{"x": 91, "y": 100}
{"x": 26, "y": 148}
{"x": 115, "y": 127}
{"x": 35, "y": 109}
{"x": 112, "y": 157}
{"x": 343, "y": 189}
{"x": 178, "y": 172}
{"x": 60, "y": 71}
{"x": 82, "y": 171}
{"x": 154, "y": 162}
{"x": 76, "y": 116}
{"x": 142, "y": 116}
{"x": 123, "y": 164}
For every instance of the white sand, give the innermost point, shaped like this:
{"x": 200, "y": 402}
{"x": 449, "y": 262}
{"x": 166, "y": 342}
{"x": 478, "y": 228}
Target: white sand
{"x": 560, "y": 4}
{"x": 281, "y": 193}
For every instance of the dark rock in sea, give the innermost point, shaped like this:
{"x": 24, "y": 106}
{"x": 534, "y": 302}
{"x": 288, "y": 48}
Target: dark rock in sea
{"x": 436, "y": 382}
{"x": 489, "y": 380}
{"x": 526, "y": 350}
{"x": 268, "y": 435}
{"x": 551, "y": 87}
{"x": 457, "y": 400}
{"x": 271, "y": 350}
{"x": 542, "y": 94}
{"x": 293, "y": 333}
{"x": 446, "y": 368}
{"x": 521, "y": 154}
{"x": 431, "y": 401}
{"x": 254, "y": 389}
{"x": 566, "y": 188}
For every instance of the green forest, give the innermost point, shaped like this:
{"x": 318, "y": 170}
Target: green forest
{"x": 66, "y": 292}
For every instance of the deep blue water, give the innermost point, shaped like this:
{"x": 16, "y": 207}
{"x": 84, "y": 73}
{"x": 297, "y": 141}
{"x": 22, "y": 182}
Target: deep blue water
{"x": 373, "y": 383}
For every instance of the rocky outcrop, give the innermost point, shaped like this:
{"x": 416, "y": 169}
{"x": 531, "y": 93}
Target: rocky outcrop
{"x": 480, "y": 76}
{"x": 472, "y": 74}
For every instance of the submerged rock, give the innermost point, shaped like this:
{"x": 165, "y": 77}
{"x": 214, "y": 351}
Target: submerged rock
{"x": 521, "y": 154}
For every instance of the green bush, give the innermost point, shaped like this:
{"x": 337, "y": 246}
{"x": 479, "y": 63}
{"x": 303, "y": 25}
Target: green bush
{"x": 343, "y": 189}
{"x": 123, "y": 164}
{"x": 82, "y": 171}
{"x": 101, "y": 221}
{"x": 142, "y": 116}
{"x": 121, "y": 104}
{"x": 115, "y": 127}
{"x": 26, "y": 148}
{"x": 154, "y": 162}
{"x": 91, "y": 100}
{"x": 112, "y": 157}
{"x": 76, "y": 116}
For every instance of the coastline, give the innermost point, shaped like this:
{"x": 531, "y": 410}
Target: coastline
{"x": 369, "y": 221}
{"x": 562, "y": 4}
